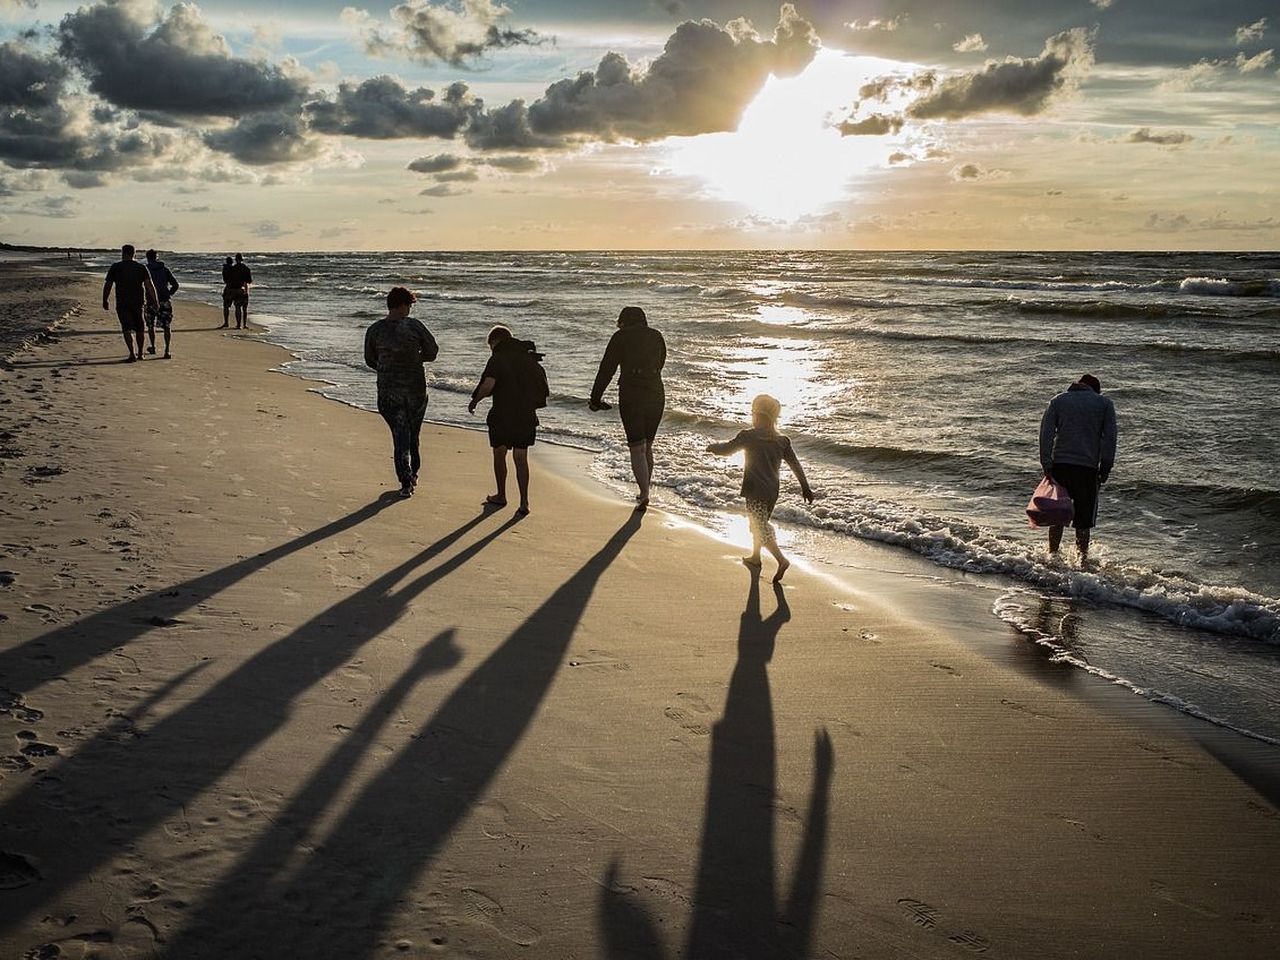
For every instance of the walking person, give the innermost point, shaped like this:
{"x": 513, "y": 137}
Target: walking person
{"x": 517, "y": 384}
{"x": 397, "y": 346}
{"x": 228, "y": 292}
{"x": 765, "y": 449}
{"x": 637, "y": 354}
{"x": 162, "y": 314}
{"x": 1078, "y": 450}
{"x": 133, "y": 286}
{"x": 241, "y": 278}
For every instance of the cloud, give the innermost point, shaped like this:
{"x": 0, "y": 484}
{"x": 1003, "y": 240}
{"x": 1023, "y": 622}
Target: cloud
{"x": 700, "y": 83}
{"x": 267, "y": 229}
{"x": 887, "y": 26}
{"x": 175, "y": 65}
{"x": 1259, "y": 61}
{"x": 429, "y": 31}
{"x": 1251, "y": 31}
{"x": 673, "y": 7}
{"x": 439, "y": 163}
{"x": 1015, "y": 85}
{"x": 973, "y": 172}
{"x": 55, "y": 207}
{"x": 1171, "y": 139}
{"x": 457, "y": 176}
{"x": 1188, "y": 78}
{"x": 972, "y": 43}
{"x": 382, "y": 108}
{"x": 515, "y": 163}
{"x": 264, "y": 139}
{"x": 875, "y": 125}
{"x": 1168, "y": 223}
{"x": 441, "y": 190}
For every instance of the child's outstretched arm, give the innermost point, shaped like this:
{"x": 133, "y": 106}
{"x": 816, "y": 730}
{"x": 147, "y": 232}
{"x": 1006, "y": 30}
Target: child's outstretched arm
{"x": 793, "y": 462}
{"x": 726, "y": 448}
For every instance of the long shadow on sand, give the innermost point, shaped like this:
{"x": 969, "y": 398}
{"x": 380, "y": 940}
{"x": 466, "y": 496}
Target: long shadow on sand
{"x": 187, "y": 751}
{"x": 339, "y": 899}
{"x": 735, "y": 908}
{"x": 49, "y": 656}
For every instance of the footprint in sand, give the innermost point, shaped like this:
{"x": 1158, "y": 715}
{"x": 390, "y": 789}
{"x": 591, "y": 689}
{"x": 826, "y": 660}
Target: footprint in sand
{"x": 688, "y": 711}
{"x": 485, "y": 910}
{"x": 930, "y": 918}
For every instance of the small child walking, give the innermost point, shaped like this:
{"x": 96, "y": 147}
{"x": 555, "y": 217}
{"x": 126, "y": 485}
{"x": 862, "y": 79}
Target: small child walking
{"x": 765, "y": 450}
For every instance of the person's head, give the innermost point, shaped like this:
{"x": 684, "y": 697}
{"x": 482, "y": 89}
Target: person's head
{"x": 632, "y": 317}
{"x": 239, "y": 258}
{"x": 1092, "y": 382}
{"x": 765, "y": 411}
{"x": 497, "y": 335}
{"x": 151, "y": 255}
{"x": 228, "y": 261}
{"x": 399, "y": 300}
{"x": 127, "y": 251}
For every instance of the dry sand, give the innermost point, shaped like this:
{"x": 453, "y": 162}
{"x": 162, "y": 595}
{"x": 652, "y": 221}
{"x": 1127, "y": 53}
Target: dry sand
{"x": 255, "y": 706}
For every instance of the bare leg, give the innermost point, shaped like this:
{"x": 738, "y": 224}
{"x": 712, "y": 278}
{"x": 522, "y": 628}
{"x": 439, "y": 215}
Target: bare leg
{"x": 500, "y": 477}
{"x": 640, "y": 466}
{"x": 648, "y": 456}
{"x": 151, "y": 338}
{"x": 166, "y": 343}
{"x": 140, "y": 339}
{"x": 128, "y": 342}
{"x": 771, "y": 544}
{"x": 1055, "y": 539}
{"x": 1082, "y": 544}
{"x": 226, "y": 313}
{"x": 521, "y": 458}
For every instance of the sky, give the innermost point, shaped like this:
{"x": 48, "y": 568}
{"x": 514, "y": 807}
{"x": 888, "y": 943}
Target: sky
{"x": 647, "y": 124}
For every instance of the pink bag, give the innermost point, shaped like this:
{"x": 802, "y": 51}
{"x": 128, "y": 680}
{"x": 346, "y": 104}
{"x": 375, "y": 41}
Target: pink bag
{"x": 1050, "y": 505}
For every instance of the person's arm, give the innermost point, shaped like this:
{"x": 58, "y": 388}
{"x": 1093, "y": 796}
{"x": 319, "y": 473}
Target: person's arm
{"x": 483, "y": 389}
{"x": 370, "y": 350}
{"x": 171, "y": 280}
{"x": 1108, "y": 442}
{"x": 106, "y": 287}
{"x": 729, "y": 446}
{"x": 429, "y": 348}
{"x": 248, "y": 276}
{"x": 662, "y": 351}
{"x": 1048, "y": 429}
{"x": 793, "y": 462}
{"x": 608, "y": 367}
{"x": 149, "y": 288}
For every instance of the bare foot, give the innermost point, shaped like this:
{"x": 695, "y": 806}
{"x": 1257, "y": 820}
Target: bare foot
{"x": 493, "y": 500}
{"x": 782, "y": 569}
{"x": 751, "y": 562}
{"x": 522, "y": 510}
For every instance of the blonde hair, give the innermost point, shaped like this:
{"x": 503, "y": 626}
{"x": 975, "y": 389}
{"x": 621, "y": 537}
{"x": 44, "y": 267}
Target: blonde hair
{"x": 766, "y": 407}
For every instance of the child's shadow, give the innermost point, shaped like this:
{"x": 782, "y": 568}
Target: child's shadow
{"x": 735, "y": 907}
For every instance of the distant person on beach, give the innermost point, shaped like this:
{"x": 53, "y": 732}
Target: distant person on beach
{"x": 1078, "y": 450}
{"x": 162, "y": 314}
{"x": 518, "y": 386}
{"x": 397, "y": 346}
{"x": 639, "y": 352}
{"x": 133, "y": 287}
{"x": 228, "y": 291}
{"x": 765, "y": 449}
{"x": 238, "y": 278}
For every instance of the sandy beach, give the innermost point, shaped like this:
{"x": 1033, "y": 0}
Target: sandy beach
{"x": 254, "y": 705}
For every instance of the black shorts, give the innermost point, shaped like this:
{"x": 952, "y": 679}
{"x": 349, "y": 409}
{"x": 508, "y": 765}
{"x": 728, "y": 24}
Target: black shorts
{"x": 641, "y": 416}
{"x": 1082, "y": 485}
{"x": 130, "y": 318}
{"x": 516, "y": 434}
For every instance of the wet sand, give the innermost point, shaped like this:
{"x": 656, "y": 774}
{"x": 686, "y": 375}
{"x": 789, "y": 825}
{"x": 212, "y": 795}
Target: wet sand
{"x": 254, "y": 705}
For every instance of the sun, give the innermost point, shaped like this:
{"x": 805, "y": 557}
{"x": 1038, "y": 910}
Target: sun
{"x": 787, "y": 159}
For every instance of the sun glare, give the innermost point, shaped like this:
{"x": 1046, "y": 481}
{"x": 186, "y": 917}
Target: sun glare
{"x": 787, "y": 159}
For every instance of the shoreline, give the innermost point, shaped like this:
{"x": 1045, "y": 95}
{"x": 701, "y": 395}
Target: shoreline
{"x": 278, "y": 698}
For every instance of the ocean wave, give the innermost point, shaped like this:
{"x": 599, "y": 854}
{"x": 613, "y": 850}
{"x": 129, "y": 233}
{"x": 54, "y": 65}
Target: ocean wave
{"x": 1220, "y": 287}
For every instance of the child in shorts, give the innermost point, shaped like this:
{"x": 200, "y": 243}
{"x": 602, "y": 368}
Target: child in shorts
{"x": 765, "y": 449}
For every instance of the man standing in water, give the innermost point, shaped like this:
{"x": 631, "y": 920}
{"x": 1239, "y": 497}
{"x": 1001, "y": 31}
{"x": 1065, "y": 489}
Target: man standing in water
{"x": 133, "y": 286}
{"x": 640, "y": 353}
{"x": 397, "y": 346}
{"x": 1078, "y": 449}
{"x": 162, "y": 314}
{"x": 241, "y": 277}
{"x": 513, "y": 378}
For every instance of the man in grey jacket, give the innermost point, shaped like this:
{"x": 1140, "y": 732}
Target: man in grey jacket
{"x": 1078, "y": 449}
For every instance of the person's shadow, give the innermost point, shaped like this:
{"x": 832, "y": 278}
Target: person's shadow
{"x": 336, "y": 900}
{"x": 189, "y": 749}
{"x": 736, "y": 913}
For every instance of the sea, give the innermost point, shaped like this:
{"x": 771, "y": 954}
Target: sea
{"x": 912, "y": 387}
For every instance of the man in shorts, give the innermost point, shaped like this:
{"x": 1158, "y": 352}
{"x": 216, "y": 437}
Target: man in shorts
{"x": 133, "y": 287}
{"x": 513, "y": 418}
{"x": 1078, "y": 450}
{"x": 241, "y": 277}
{"x": 228, "y": 292}
{"x": 162, "y": 314}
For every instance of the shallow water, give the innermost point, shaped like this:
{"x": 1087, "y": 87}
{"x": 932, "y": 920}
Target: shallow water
{"x": 913, "y": 384}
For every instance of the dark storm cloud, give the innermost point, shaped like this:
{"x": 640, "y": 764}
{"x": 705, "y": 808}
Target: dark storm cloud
{"x": 876, "y": 125}
{"x": 265, "y": 139}
{"x": 439, "y": 163}
{"x": 176, "y": 65}
{"x": 1018, "y": 85}
{"x": 1171, "y": 139}
{"x": 514, "y": 163}
{"x": 430, "y": 31}
{"x": 700, "y": 83}
{"x": 382, "y": 108}
{"x": 28, "y": 79}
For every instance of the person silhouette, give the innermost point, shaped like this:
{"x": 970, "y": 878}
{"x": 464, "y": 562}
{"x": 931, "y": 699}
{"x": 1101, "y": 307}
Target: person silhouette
{"x": 1078, "y": 450}
{"x": 133, "y": 286}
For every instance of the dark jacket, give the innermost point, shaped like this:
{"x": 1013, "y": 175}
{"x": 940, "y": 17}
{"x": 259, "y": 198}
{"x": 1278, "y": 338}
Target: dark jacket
{"x": 511, "y": 402}
{"x": 639, "y": 352}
